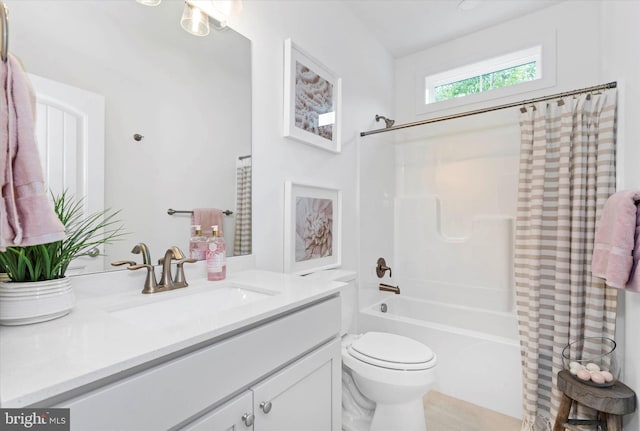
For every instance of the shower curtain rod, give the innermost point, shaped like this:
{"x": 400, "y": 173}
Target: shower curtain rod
{"x": 493, "y": 108}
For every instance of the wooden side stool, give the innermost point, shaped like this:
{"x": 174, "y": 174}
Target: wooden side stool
{"x": 611, "y": 403}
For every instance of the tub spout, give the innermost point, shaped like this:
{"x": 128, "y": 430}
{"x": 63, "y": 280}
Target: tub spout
{"x": 389, "y": 288}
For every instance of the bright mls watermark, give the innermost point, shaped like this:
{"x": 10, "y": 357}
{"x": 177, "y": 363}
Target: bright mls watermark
{"x": 34, "y": 419}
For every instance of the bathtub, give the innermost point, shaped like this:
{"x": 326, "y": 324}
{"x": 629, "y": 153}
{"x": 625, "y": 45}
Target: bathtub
{"x": 478, "y": 350}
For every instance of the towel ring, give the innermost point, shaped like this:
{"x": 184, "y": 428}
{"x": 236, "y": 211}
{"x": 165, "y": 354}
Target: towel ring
{"x": 4, "y": 32}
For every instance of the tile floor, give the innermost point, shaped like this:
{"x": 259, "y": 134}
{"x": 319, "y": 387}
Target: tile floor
{"x": 443, "y": 413}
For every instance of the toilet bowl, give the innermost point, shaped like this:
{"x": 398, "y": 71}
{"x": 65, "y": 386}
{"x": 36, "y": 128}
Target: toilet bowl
{"x": 384, "y": 376}
{"x": 391, "y": 371}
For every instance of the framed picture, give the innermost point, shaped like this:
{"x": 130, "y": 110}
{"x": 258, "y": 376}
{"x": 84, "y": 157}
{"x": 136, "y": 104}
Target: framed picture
{"x": 312, "y": 100}
{"x": 313, "y": 228}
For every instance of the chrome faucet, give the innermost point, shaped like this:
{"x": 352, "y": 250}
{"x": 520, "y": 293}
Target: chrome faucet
{"x": 166, "y": 282}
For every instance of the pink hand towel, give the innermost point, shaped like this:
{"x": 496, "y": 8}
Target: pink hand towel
{"x": 615, "y": 242}
{"x": 207, "y": 217}
{"x": 25, "y": 209}
{"x": 634, "y": 281}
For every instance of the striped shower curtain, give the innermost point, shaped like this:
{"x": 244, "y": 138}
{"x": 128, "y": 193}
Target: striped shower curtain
{"x": 567, "y": 172}
{"x": 242, "y": 242}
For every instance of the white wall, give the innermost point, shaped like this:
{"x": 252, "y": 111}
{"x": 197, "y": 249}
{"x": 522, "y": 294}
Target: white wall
{"x": 575, "y": 25}
{"x": 332, "y": 34}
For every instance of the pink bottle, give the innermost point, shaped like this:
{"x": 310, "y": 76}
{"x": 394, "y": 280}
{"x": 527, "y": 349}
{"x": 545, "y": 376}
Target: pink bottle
{"x": 216, "y": 256}
{"x": 198, "y": 244}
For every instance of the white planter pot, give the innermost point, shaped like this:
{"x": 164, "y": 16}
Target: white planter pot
{"x": 33, "y": 302}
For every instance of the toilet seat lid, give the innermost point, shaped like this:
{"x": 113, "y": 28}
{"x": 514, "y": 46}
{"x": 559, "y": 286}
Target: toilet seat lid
{"x": 392, "y": 351}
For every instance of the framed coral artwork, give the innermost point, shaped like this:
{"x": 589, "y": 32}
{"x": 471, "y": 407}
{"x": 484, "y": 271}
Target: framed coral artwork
{"x": 312, "y": 100}
{"x": 313, "y": 228}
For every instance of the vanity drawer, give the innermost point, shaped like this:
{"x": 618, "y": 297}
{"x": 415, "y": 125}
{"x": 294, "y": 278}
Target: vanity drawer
{"x": 170, "y": 393}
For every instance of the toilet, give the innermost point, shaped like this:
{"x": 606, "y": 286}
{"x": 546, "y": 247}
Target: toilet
{"x": 384, "y": 376}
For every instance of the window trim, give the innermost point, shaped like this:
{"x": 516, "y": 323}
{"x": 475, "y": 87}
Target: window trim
{"x": 547, "y": 71}
{"x": 480, "y": 68}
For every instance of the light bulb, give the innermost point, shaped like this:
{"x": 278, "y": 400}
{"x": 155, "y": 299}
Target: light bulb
{"x": 194, "y": 20}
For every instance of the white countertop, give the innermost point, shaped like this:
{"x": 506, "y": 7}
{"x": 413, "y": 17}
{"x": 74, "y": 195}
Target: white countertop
{"x": 43, "y": 360}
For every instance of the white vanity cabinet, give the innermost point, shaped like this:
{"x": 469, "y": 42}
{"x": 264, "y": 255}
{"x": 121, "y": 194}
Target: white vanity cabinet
{"x": 235, "y": 415}
{"x": 291, "y": 361}
{"x": 299, "y": 397}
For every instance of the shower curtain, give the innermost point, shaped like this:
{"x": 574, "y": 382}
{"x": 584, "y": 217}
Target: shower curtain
{"x": 242, "y": 242}
{"x": 567, "y": 172}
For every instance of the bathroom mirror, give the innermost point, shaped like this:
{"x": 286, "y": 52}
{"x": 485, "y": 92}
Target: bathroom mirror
{"x": 177, "y": 108}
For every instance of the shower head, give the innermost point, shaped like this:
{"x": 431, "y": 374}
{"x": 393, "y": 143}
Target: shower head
{"x": 388, "y": 122}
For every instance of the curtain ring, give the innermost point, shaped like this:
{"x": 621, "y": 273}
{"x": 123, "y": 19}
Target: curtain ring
{"x": 560, "y": 102}
{"x": 523, "y": 109}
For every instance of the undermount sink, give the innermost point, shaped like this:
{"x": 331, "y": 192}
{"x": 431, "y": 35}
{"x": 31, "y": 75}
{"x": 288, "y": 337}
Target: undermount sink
{"x": 188, "y": 304}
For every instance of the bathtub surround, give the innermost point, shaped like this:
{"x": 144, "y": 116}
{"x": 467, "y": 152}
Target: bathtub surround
{"x": 567, "y": 172}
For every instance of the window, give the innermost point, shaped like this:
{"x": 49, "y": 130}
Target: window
{"x": 504, "y": 71}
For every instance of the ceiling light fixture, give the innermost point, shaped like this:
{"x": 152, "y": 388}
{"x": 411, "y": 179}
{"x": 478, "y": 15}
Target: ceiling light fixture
{"x": 218, "y": 10}
{"x": 194, "y": 20}
{"x": 197, "y": 14}
{"x": 149, "y": 2}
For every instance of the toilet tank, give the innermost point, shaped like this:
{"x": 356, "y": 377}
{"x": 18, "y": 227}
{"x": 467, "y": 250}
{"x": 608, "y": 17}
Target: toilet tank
{"x": 348, "y": 295}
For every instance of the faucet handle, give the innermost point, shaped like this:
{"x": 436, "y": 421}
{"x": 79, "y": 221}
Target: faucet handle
{"x": 174, "y": 253}
{"x": 178, "y": 254}
{"x": 123, "y": 262}
{"x": 381, "y": 267}
{"x": 180, "y": 280}
{"x": 150, "y": 283}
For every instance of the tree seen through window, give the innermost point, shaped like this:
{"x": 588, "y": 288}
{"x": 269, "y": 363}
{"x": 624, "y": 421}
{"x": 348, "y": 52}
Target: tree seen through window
{"x": 489, "y": 81}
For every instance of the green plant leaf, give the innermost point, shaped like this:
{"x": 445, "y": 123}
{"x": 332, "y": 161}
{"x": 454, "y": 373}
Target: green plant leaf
{"x": 83, "y": 233}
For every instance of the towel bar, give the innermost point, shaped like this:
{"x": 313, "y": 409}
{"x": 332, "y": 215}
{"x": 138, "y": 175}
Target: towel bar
{"x": 171, "y": 211}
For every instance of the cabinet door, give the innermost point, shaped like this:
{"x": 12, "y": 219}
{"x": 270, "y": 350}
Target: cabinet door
{"x": 303, "y": 396}
{"x": 236, "y": 415}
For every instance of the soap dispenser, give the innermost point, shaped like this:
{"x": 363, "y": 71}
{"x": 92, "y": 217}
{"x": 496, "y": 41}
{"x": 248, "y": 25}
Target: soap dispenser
{"x": 216, "y": 256}
{"x": 198, "y": 244}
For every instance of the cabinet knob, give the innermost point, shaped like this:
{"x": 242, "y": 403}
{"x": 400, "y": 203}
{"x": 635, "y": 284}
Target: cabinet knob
{"x": 266, "y": 406}
{"x": 248, "y": 419}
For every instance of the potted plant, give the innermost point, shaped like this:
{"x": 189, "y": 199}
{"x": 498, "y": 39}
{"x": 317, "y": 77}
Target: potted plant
{"x": 38, "y": 289}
